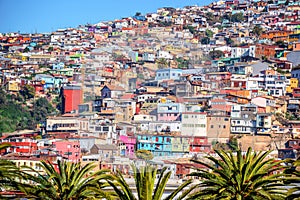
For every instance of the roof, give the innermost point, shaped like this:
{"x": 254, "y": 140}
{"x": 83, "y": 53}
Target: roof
{"x": 115, "y": 87}
{"x": 106, "y": 147}
{"x": 128, "y": 96}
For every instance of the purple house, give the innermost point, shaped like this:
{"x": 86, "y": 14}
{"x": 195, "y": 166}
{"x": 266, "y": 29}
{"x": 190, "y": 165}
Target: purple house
{"x": 127, "y": 146}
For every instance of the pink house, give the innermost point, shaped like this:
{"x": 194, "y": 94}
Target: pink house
{"x": 220, "y": 104}
{"x": 169, "y": 111}
{"x": 129, "y": 146}
{"x": 69, "y": 150}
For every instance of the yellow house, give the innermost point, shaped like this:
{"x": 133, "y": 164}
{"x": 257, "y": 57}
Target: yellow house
{"x": 12, "y": 86}
{"x": 293, "y": 84}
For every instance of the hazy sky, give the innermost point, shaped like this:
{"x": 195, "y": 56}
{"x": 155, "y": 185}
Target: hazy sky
{"x": 29, "y": 16}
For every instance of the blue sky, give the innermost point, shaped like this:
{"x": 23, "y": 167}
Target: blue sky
{"x": 30, "y": 16}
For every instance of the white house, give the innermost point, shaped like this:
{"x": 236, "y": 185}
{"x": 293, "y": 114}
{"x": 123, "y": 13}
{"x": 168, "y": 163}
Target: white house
{"x": 194, "y": 124}
{"x": 163, "y": 54}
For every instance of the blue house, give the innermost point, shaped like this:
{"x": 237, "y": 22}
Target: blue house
{"x": 159, "y": 145}
{"x": 47, "y": 80}
{"x": 58, "y": 66}
{"x": 139, "y": 17}
{"x": 168, "y": 74}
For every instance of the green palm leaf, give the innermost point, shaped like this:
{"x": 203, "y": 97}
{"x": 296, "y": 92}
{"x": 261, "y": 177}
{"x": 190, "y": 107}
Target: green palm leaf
{"x": 146, "y": 186}
{"x": 242, "y": 176}
{"x": 70, "y": 181}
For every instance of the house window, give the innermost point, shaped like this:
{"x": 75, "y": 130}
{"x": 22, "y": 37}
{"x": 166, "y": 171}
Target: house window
{"x": 105, "y": 128}
{"x": 211, "y": 126}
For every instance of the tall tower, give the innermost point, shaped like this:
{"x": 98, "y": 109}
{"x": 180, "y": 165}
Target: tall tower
{"x": 71, "y": 98}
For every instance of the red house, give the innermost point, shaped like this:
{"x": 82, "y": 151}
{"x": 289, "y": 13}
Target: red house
{"x": 296, "y": 92}
{"x": 199, "y": 144}
{"x": 21, "y": 145}
{"x": 71, "y": 98}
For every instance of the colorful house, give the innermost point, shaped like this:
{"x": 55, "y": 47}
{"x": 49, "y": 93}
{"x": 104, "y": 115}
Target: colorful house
{"x": 129, "y": 143}
{"x": 159, "y": 145}
{"x": 180, "y": 145}
{"x": 69, "y": 150}
{"x": 46, "y": 80}
{"x": 169, "y": 111}
{"x": 194, "y": 124}
{"x": 71, "y": 98}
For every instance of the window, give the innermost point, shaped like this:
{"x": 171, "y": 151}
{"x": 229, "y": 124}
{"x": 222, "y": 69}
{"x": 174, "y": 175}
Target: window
{"x": 211, "y": 126}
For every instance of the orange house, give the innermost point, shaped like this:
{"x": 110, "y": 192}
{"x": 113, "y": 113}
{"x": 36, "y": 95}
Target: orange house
{"x": 276, "y": 35}
{"x": 238, "y": 96}
{"x": 268, "y": 51}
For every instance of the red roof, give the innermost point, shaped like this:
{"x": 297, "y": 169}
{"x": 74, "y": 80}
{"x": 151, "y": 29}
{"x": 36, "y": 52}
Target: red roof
{"x": 128, "y": 96}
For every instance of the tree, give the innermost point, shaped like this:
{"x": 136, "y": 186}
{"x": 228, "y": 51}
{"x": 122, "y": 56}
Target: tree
{"x": 9, "y": 173}
{"x": 209, "y": 33}
{"x": 233, "y": 143}
{"x": 182, "y": 63}
{"x": 144, "y": 154}
{"x": 229, "y": 41}
{"x": 14, "y": 117}
{"x": 50, "y": 49}
{"x": 293, "y": 180}
{"x": 41, "y": 109}
{"x": 27, "y": 49}
{"x": 146, "y": 185}
{"x": 257, "y": 30}
{"x": 27, "y": 91}
{"x": 70, "y": 181}
{"x": 205, "y": 40}
{"x": 216, "y": 54}
{"x": 191, "y": 29}
{"x": 242, "y": 176}
{"x": 237, "y": 17}
{"x": 162, "y": 63}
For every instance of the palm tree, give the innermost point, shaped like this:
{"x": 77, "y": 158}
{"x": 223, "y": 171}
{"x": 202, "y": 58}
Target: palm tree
{"x": 294, "y": 180}
{"x": 162, "y": 63}
{"x": 240, "y": 176}
{"x": 10, "y": 174}
{"x": 145, "y": 179}
{"x": 69, "y": 181}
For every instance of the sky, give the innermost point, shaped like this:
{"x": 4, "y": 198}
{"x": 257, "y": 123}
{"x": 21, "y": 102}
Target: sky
{"x": 40, "y": 16}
